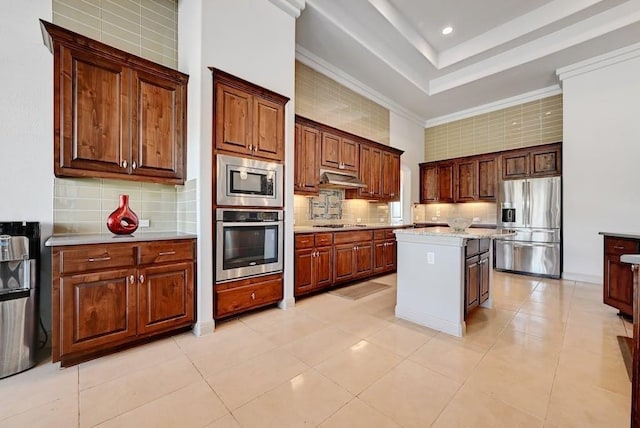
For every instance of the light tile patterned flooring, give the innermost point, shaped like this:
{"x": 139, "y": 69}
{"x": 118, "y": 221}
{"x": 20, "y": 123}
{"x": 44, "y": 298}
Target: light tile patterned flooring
{"x": 545, "y": 355}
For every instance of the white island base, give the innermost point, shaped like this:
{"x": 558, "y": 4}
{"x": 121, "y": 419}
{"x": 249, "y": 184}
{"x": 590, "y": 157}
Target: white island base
{"x": 431, "y": 276}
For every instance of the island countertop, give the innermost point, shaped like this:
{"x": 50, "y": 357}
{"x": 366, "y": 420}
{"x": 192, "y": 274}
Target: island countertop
{"x": 470, "y": 233}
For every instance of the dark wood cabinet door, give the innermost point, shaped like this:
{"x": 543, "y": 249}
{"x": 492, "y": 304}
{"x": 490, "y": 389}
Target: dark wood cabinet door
{"x": 330, "y": 150}
{"x": 344, "y": 263}
{"x": 97, "y": 310}
{"x": 546, "y": 161}
{"x": 635, "y": 382}
{"x": 445, "y": 182}
{"x": 366, "y": 172}
{"x": 364, "y": 259}
{"x": 379, "y": 256}
{"x": 485, "y": 271}
{"x": 618, "y": 284}
{"x": 307, "y": 152}
{"x": 303, "y": 277}
{"x": 390, "y": 176}
{"x": 390, "y": 255}
{"x": 465, "y": 180}
{"x": 165, "y": 297}
{"x": 428, "y": 183}
{"x": 472, "y": 278}
{"x": 349, "y": 154}
{"x": 487, "y": 178}
{"x": 239, "y": 296}
{"x": 323, "y": 272}
{"x": 233, "y": 119}
{"x": 268, "y": 129}
{"x": 515, "y": 165}
{"x": 91, "y": 115}
{"x": 158, "y": 120}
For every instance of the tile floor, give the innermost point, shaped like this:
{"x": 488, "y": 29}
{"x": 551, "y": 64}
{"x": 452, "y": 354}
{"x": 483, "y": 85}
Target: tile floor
{"x": 545, "y": 356}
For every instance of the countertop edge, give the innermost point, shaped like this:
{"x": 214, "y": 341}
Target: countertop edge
{"x": 315, "y": 229}
{"x": 100, "y": 238}
{"x": 621, "y": 235}
{"x": 634, "y": 259}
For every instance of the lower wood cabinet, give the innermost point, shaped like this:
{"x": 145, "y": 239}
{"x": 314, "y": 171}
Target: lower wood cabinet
{"x": 618, "y": 276}
{"x": 325, "y": 259}
{"x": 106, "y": 296}
{"x": 250, "y": 293}
{"x": 477, "y": 273}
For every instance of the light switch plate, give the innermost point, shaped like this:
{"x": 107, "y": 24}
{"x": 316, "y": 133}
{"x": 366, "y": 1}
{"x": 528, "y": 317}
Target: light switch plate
{"x": 144, "y": 222}
{"x": 431, "y": 258}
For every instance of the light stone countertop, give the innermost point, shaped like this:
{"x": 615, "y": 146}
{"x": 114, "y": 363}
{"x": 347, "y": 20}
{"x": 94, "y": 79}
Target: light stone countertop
{"x": 634, "y": 259}
{"x": 621, "y": 235}
{"x": 470, "y": 233}
{"x": 109, "y": 238}
{"x": 313, "y": 229}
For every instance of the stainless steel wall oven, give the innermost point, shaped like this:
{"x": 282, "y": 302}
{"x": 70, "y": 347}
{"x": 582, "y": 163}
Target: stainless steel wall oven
{"x": 249, "y": 242}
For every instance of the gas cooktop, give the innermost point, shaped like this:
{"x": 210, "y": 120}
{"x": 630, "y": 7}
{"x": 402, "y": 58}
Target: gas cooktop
{"x": 339, "y": 225}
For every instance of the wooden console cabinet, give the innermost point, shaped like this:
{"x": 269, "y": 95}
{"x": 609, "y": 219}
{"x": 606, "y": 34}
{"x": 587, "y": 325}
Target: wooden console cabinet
{"x": 618, "y": 277}
{"x": 106, "y": 296}
{"x": 116, "y": 115}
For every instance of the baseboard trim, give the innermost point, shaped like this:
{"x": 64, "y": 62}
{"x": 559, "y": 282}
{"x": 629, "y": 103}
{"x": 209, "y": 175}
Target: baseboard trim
{"x": 580, "y": 277}
{"x": 287, "y": 303}
{"x": 204, "y": 328}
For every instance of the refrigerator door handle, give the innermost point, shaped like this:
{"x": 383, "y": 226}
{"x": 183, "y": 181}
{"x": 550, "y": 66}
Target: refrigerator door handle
{"x": 537, "y": 244}
{"x": 525, "y": 200}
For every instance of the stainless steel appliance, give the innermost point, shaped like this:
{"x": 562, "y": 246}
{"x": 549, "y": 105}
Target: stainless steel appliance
{"x": 531, "y": 208}
{"x": 19, "y": 256}
{"x": 249, "y": 182}
{"x": 248, "y": 243}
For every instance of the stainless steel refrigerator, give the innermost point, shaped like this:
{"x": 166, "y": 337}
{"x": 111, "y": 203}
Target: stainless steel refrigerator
{"x": 531, "y": 208}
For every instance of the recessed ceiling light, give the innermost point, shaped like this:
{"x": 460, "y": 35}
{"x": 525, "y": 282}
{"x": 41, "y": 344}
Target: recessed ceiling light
{"x": 447, "y": 30}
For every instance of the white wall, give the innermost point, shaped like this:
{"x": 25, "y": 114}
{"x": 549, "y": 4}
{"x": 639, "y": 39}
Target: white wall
{"x": 601, "y": 163}
{"x": 407, "y": 135}
{"x": 26, "y": 140}
{"x": 254, "y": 40}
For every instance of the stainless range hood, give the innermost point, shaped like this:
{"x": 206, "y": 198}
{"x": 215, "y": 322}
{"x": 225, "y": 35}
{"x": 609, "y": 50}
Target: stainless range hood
{"x": 339, "y": 180}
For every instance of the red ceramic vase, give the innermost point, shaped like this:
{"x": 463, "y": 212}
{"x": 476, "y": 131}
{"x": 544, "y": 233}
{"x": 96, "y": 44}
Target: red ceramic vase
{"x": 123, "y": 221}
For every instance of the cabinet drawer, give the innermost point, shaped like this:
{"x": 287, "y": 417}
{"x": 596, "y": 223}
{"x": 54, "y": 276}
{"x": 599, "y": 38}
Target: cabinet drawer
{"x": 619, "y": 246}
{"x": 304, "y": 241}
{"x": 473, "y": 247}
{"x": 484, "y": 245}
{"x": 237, "y": 299}
{"x": 94, "y": 257}
{"x": 165, "y": 251}
{"x": 351, "y": 237}
{"x": 380, "y": 234}
{"x": 323, "y": 239}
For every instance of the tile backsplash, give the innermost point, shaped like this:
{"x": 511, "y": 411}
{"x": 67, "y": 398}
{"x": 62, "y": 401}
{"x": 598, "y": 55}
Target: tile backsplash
{"x": 187, "y": 207}
{"x": 331, "y": 207}
{"x": 83, "y": 205}
{"x": 530, "y": 124}
{"x": 484, "y": 211}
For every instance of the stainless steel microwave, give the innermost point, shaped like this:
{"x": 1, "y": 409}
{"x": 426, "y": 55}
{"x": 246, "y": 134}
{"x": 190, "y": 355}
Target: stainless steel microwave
{"x": 249, "y": 182}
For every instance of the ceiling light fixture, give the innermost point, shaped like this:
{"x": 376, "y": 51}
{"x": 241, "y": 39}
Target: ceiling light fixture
{"x": 447, "y": 30}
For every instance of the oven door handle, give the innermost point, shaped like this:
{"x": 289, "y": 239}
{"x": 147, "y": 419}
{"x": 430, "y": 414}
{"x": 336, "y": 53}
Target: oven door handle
{"x": 251, "y": 223}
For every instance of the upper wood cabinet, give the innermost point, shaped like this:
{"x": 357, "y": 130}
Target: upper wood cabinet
{"x": 437, "y": 182}
{"x": 248, "y": 119}
{"x": 537, "y": 161}
{"x": 338, "y": 152}
{"x": 377, "y": 165}
{"x": 115, "y": 115}
{"x": 307, "y": 153}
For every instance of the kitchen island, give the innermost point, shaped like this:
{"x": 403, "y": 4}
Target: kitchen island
{"x": 440, "y": 273}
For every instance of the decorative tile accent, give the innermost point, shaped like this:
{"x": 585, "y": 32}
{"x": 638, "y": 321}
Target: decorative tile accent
{"x": 327, "y": 205}
{"x": 530, "y": 124}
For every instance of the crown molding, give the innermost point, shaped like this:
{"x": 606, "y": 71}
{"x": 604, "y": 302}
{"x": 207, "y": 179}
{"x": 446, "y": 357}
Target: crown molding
{"x": 598, "y": 62}
{"x": 292, "y": 8}
{"x": 496, "y": 105}
{"x": 320, "y": 65}
{"x": 603, "y": 23}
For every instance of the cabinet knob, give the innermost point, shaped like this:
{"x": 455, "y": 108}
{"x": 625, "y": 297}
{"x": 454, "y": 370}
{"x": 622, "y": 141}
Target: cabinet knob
{"x": 125, "y": 164}
{"x": 132, "y": 279}
{"x": 141, "y": 279}
{"x": 134, "y": 165}
{"x": 253, "y": 296}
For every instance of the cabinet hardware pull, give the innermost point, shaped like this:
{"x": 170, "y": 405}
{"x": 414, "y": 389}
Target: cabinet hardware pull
{"x": 100, "y": 259}
{"x": 132, "y": 279}
{"x": 253, "y": 296}
{"x": 141, "y": 279}
{"x": 618, "y": 247}
{"x": 134, "y": 165}
{"x": 166, "y": 253}
{"x": 125, "y": 164}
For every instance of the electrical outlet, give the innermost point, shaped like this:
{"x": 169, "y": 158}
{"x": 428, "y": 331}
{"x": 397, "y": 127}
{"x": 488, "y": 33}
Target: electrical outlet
{"x": 144, "y": 222}
{"x": 476, "y": 219}
{"x": 358, "y": 220}
{"x": 434, "y": 218}
{"x": 381, "y": 219}
{"x": 431, "y": 258}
